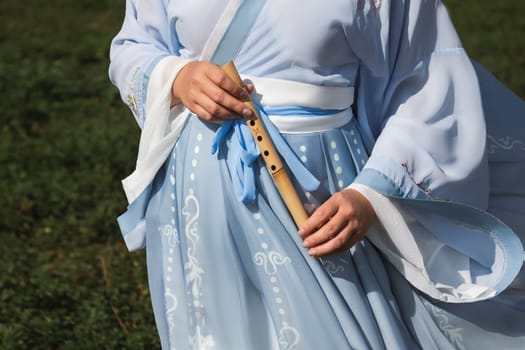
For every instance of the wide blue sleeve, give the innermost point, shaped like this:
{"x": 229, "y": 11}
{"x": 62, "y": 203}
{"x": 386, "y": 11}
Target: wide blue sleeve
{"x": 420, "y": 113}
{"x": 419, "y": 105}
{"x": 145, "y": 38}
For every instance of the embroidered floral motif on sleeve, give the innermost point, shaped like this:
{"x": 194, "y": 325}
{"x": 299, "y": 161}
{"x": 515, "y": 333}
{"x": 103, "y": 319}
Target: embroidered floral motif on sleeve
{"x": 420, "y": 184}
{"x": 132, "y": 101}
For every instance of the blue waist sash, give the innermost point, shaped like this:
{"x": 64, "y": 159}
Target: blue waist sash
{"x": 243, "y": 150}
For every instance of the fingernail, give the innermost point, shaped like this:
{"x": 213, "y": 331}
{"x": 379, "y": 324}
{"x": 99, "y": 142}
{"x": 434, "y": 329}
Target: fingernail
{"x": 243, "y": 95}
{"x": 246, "y": 112}
{"x": 306, "y": 244}
{"x": 312, "y": 252}
{"x": 300, "y": 232}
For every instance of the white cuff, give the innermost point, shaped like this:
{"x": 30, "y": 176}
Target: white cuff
{"x": 161, "y": 128}
{"x": 427, "y": 263}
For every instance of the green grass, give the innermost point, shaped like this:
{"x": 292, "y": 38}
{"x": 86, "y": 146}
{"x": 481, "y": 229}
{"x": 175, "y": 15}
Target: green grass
{"x": 66, "y": 140}
{"x": 67, "y": 281}
{"x": 493, "y": 33}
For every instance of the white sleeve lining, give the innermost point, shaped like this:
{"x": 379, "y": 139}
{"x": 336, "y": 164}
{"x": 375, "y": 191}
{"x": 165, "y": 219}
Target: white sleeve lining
{"x": 429, "y": 265}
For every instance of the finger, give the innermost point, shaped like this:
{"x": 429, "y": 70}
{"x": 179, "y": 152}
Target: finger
{"x": 214, "y": 111}
{"x": 223, "y": 99}
{"x": 249, "y": 87}
{"x": 347, "y": 238}
{"x": 219, "y": 78}
{"x": 200, "y": 112}
{"x": 320, "y": 217}
{"x": 342, "y": 242}
{"x": 328, "y": 231}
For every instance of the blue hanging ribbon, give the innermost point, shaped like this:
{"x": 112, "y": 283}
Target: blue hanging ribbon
{"x": 243, "y": 152}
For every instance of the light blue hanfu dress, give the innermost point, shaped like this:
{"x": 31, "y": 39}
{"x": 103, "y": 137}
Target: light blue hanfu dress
{"x": 376, "y": 95}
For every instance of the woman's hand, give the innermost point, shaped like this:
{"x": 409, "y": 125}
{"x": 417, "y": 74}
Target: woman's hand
{"x": 206, "y": 90}
{"x": 338, "y": 224}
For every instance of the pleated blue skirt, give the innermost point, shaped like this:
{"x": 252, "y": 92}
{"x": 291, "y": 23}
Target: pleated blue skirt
{"x": 224, "y": 274}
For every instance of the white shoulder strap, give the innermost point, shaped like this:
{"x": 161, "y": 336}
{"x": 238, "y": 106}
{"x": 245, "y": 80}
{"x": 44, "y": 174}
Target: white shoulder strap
{"x": 231, "y": 30}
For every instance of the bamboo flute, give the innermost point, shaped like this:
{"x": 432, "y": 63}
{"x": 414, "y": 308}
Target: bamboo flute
{"x": 271, "y": 157}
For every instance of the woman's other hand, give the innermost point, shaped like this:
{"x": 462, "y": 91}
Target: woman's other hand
{"x": 206, "y": 90}
{"x": 338, "y": 224}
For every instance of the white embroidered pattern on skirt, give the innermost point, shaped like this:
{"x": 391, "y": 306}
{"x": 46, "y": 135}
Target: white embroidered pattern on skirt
{"x": 200, "y": 339}
{"x": 270, "y": 260}
{"x": 454, "y": 334}
{"x": 506, "y": 143}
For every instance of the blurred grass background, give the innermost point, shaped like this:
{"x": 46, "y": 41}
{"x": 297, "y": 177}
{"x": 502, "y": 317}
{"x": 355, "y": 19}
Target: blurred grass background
{"x": 66, "y": 140}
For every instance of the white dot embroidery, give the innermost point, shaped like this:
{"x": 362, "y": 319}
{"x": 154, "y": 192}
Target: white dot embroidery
{"x": 303, "y": 148}
{"x": 341, "y": 183}
{"x": 336, "y": 157}
{"x": 194, "y": 163}
{"x": 304, "y": 159}
{"x": 197, "y": 150}
{"x": 339, "y": 170}
{"x": 333, "y": 145}
{"x": 199, "y": 137}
